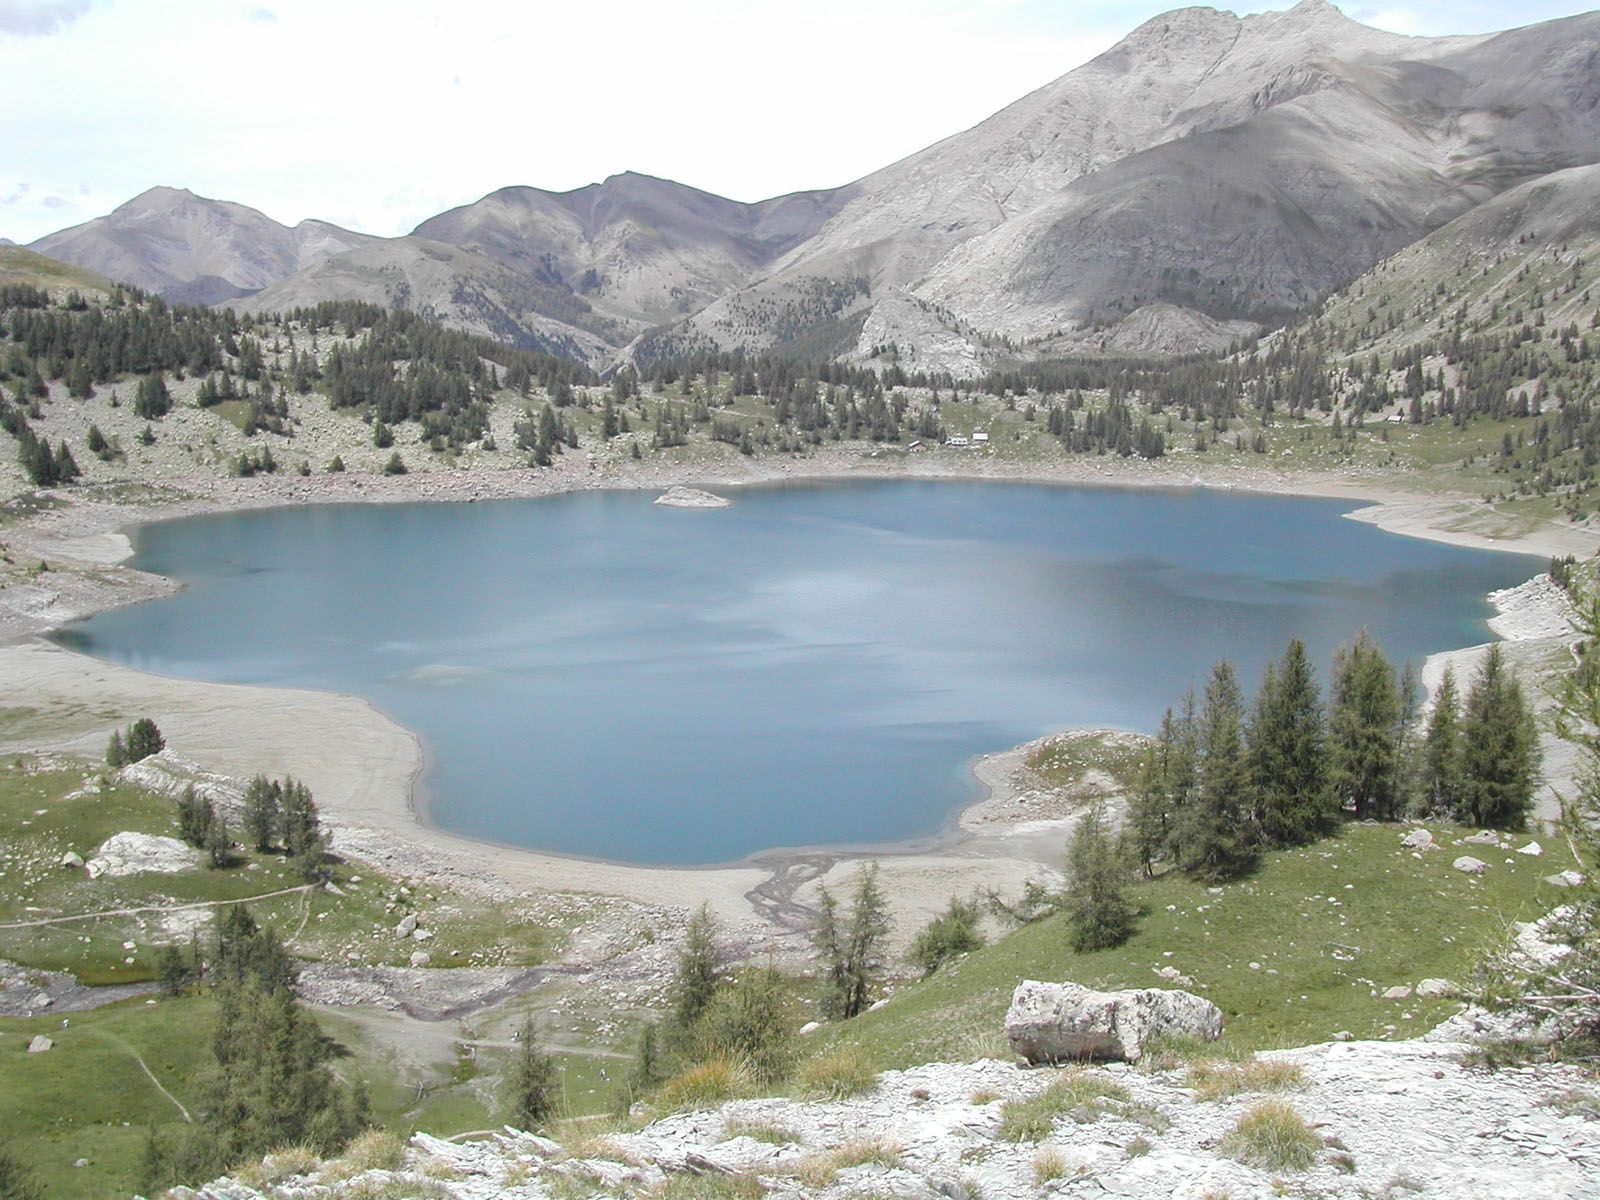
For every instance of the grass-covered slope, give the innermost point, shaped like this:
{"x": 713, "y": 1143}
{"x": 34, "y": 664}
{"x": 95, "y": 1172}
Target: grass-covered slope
{"x": 1329, "y": 928}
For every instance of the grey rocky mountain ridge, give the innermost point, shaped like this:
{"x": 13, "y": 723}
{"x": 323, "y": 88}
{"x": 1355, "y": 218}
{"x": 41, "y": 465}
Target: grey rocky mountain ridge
{"x": 1206, "y": 176}
{"x": 196, "y": 250}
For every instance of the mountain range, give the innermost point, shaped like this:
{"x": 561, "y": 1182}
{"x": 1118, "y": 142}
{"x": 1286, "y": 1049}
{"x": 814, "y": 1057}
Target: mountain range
{"x": 1208, "y": 176}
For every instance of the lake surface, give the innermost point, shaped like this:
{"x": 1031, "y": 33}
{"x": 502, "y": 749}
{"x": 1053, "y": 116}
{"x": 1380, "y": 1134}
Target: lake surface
{"x": 597, "y": 675}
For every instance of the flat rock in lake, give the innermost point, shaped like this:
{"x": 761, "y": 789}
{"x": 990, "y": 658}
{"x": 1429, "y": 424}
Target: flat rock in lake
{"x": 688, "y": 497}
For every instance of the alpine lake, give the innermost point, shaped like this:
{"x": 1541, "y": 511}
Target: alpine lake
{"x": 817, "y": 665}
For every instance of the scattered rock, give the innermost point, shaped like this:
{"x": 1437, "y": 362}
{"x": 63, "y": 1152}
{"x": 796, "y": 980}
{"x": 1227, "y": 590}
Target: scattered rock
{"x": 72, "y": 859}
{"x": 1532, "y": 850}
{"x": 1437, "y": 989}
{"x": 1398, "y": 992}
{"x": 811, "y": 1027}
{"x": 1566, "y": 879}
{"x": 130, "y": 853}
{"x": 40, "y": 1044}
{"x": 1061, "y": 1022}
{"x": 1344, "y": 1035}
{"x": 1484, "y": 837}
{"x": 407, "y": 926}
{"x": 420, "y": 958}
{"x": 688, "y": 497}
{"x": 1418, "y": 839}
{"x": 1472, "y": 866}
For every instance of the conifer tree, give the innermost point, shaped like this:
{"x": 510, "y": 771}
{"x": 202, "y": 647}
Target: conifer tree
{"x": 1287, "y": 756}
{"x": 1499, "y": 748}
{"x": 116, "y": 753}
{"x": 1217, "y": 835}
{"x": 1097, "y": 907}
{"x": 1441, "y": 751}
{"x": 1363, "y": 721}
{"x": 531, "y": 1081}
{"x": 696, "y": 979}
{"x": 262, "y": 803}
{"x": 851, "y": 945}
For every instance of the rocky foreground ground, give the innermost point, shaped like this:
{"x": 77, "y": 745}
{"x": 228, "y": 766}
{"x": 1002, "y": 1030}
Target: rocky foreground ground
{"x": 1395, "y": 1119}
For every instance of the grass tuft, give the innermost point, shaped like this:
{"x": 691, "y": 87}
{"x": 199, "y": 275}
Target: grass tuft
{"x": 1084, "y": 1094}
{"x": 1274, "y": 1137}
{"x": 822, "y": 1169}
{"x": 838, "y": 1074}
{"x": 704, "y": 1085}
{"x": 761, "y": 1131}
{"x": 1214, "y": 1080}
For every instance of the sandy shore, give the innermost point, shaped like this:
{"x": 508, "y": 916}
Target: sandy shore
{"x": 361, "y": 765}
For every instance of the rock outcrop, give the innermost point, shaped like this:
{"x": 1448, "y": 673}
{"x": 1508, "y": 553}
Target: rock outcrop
{"x": 1064, "y": 1022}
{"x": 130, "y": 853}
{"x": 1396, "y": 1117}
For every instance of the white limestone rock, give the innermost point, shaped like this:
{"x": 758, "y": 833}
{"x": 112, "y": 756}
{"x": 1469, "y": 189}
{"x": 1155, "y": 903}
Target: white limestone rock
{"x": 1418, "y": 839}
{"x": 1470, "y": 865}
{"x": 40, "y": 1044}
{"x": 1061, "y": 1022}
{"x": 129, "y": 853}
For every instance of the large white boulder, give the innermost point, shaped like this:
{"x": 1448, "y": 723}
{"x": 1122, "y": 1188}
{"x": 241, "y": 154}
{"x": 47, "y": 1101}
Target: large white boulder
{"x": 130, "y": 853}
{"x": 1062, "y": 1022}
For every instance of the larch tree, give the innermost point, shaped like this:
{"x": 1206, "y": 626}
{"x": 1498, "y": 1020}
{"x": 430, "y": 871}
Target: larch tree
{"x": 1218, "y": 837}
{"x": 1363, "y": 723}
{"x": 1288, "y": 754}
{"x": 1499, "y": 748}
{"x": 851, "y": 944}
{"x": 1097, "y": 907}
{"x": 1441, "y": 751}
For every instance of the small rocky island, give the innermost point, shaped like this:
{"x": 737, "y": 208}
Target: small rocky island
{"x": 688, "y": 497}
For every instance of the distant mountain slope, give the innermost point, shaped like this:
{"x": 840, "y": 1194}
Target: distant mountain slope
{"x": 194, "y": 250}
{"x": 640, "y": 249}
{"x": 1207, "y": 176}
{"x": 20, "y": 265}
{"x": 1526, "y": 263}
{"x": 462, "y": 288}
{"x": 1230, "y": 167}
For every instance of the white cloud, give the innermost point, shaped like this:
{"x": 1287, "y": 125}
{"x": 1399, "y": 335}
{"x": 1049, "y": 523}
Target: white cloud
{"x": 40, "y": 18}
{"x": 379, "y": 120}
{"x": 1395, "y": 20}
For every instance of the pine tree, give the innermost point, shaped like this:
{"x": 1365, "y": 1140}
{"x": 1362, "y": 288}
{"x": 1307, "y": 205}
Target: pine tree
{"x": 143, "y": 740}
{"x": 1097, "y": 907}
{"x": 1441, "y": 751}
{"x": 850, "y": 948}
{"x": 304, "y": 840}
{"x": 1217, "y": 835}
{"x": 262, "y": 803}
{"x": 530, "y": 1084}
{"x": 747, "y": 1023}
{"x": 196, "y": 815}
{"x": 151, "y": 399}
{"x": 116, "y": 753}
{"x": 697, "y": 977}
{"x": 1499, "y": 748}
{"x": 1363, "y": 720}
{"x": 1288, "y": 762}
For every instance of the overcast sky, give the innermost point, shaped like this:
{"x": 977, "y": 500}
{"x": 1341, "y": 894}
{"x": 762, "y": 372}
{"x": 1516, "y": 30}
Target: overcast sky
{"x": 378, "y": 116}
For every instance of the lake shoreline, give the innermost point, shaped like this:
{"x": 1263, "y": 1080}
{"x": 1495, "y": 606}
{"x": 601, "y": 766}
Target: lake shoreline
{"x": 363, "y": 766}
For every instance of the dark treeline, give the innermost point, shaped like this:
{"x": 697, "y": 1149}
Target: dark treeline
{"x": 393, "y": 365}
{"x": 269, "y": 1084}
{"x": 1228, "y": 778}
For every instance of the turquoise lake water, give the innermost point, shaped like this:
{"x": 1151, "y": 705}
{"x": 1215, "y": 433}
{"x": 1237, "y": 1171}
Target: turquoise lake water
{"x": 597, "y": 675}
